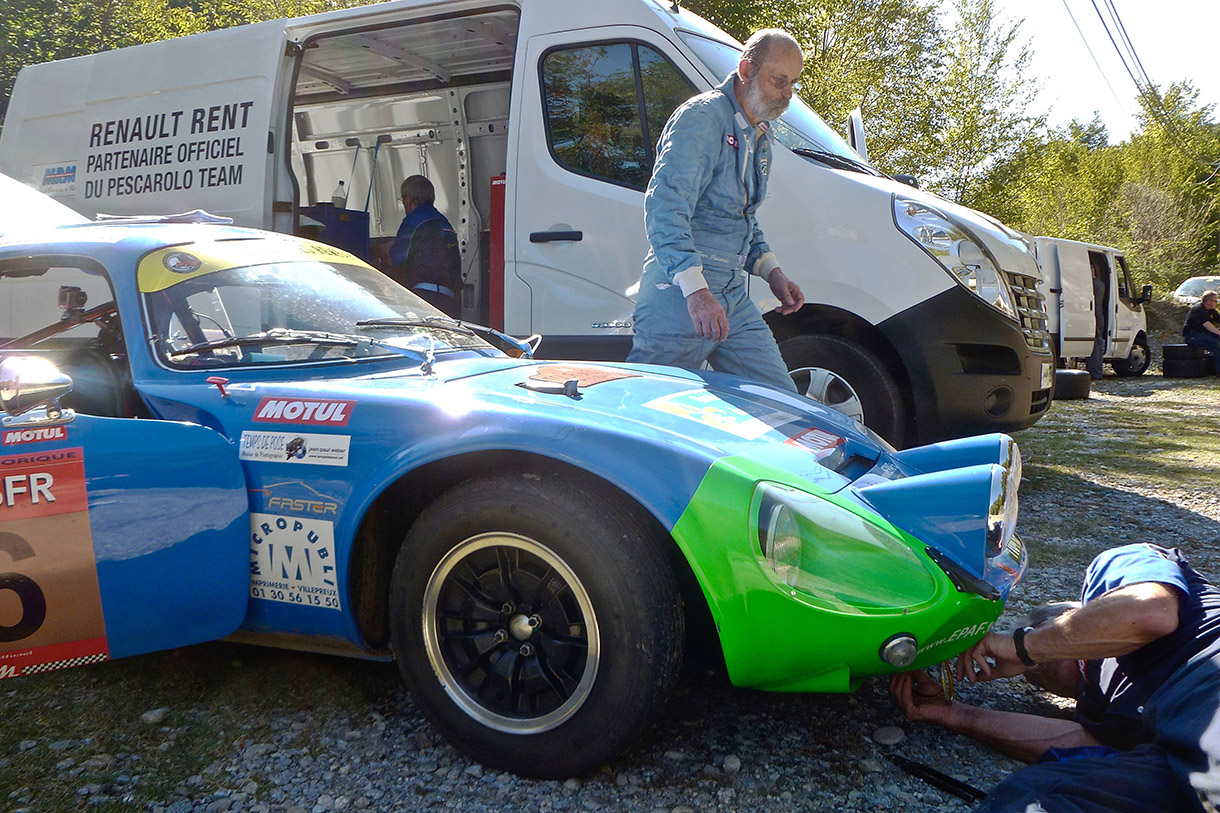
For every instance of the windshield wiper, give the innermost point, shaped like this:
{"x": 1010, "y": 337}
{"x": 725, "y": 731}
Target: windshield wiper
{"x": 839, "y": 161}
{"x": 277, "y": 335}
{"x": 458, "y": 326}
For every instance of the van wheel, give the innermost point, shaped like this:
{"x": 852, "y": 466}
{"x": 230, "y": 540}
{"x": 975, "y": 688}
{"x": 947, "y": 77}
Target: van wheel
{"x": 536, "y": 623}
{"x": 1137, "y": 360}
{"x": 849, "y": 379}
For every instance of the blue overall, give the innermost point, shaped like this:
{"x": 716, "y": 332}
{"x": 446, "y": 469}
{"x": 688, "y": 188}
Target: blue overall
{"x": 699, "y": 213}
{"x": 1162, "y": 702}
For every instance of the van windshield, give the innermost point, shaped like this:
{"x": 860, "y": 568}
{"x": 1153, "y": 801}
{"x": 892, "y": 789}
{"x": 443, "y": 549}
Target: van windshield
{"x": 798, "y": 129}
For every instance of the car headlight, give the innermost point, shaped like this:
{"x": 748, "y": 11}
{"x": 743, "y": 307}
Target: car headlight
{"x": 958, "y": 252}
{"x": 810, "y": 545}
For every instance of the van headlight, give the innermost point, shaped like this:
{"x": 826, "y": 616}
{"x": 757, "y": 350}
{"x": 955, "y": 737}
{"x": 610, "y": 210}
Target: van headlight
{"x": 833, "y": 556}
{"x": 951, "y": 245}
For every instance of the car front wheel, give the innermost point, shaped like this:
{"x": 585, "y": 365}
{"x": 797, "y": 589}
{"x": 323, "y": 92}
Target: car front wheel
{"x": 536, "y": 622}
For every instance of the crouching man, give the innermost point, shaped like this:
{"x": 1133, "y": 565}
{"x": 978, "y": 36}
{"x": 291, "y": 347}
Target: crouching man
{"x": 1141, "y": 656}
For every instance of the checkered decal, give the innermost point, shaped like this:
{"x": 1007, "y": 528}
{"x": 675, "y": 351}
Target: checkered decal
{"x": 69, "y": 663}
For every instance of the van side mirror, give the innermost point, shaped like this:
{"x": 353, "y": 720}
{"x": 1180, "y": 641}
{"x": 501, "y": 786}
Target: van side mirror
{"x": 855, "y": 132}
{"x": 27, "y": 382}
{"x": 909, "y": 180}
{"x": 1147, "y": 295}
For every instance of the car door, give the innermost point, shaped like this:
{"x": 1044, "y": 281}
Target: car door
{"x": 117, "y": 537}
{"x": 592, "y": 108}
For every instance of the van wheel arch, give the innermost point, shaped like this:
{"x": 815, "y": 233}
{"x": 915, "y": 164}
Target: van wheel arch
{"x": 799, "y": 334}
{"x": 1137, "y": 361}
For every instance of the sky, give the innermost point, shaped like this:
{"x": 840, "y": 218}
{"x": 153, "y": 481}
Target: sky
{"x": 1174, "y": 39}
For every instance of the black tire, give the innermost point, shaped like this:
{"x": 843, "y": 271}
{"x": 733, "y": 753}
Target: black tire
{"x": 1072, "y": 384}
{"x": 849, "y": 379}
{"x": 1181, "y": 352}
{"x": 1137, "y": 360}
{"x": 1186, "y": 368}
{"x": 536, "y": 622}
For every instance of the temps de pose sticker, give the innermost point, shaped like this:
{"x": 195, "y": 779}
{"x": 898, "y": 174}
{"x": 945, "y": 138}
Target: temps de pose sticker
{"x": 292, "y": 560}
{"x": 295, "y": 447}
{"x": 50, "y": 601}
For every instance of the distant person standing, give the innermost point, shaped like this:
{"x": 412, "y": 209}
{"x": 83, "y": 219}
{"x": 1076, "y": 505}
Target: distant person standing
{"x": 425, "y": 256}
{"x": 710, "y": 177}
{"x": 1100, "y": 311}
{"x": 1202, "y": 326}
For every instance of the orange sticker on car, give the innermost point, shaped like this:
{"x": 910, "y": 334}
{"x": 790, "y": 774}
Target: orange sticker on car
{"x": 50, "y": 600}
{"x": 586, "y": 376}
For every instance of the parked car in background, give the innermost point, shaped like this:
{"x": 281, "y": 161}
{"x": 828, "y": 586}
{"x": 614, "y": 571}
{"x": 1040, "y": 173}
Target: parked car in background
{"x": 212, "y": 431}
{"x": 1188, "y": 292}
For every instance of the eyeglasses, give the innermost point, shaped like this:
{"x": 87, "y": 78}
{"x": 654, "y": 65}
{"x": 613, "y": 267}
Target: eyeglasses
{"x": 782, "y": 84}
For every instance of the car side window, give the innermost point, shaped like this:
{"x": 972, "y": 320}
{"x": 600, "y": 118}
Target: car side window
{"x": 605, "y": 106}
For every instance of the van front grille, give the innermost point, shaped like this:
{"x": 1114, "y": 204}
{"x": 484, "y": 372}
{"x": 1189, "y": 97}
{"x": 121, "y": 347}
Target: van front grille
{"x": 1031, "y": 310}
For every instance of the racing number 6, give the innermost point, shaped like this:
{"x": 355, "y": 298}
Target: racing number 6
{"x": 33, "y": 602}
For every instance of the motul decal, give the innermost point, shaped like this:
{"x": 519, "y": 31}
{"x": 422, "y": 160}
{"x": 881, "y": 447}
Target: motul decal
{"x": 309, "y": 411}
{"x": 11, "y": 436}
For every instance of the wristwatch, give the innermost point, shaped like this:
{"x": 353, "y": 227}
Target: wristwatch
{"x": 1018, "y": 643}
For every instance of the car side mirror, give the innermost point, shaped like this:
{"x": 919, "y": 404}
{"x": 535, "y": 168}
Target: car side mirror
{"x": 28, "y": 382}
{"x": 1147, "y": 295}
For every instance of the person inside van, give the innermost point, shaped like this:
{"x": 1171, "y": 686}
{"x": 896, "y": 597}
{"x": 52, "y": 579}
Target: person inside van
{"x": 424, "y": 256}
{"x": 1202, "y": 326}
{"x": 1101, "y": 309}
{"x": 714, "y": 154}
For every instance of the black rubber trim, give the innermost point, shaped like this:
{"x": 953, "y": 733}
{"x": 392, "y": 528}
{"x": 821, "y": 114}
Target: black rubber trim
{"x": 556, "y": 236}
{"x": 963, "y": 581}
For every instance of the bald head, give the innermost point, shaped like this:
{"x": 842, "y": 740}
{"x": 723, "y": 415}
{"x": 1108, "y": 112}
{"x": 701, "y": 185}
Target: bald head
{"x": 767, "y": 42}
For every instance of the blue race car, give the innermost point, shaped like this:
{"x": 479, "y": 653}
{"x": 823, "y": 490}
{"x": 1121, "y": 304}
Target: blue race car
{"x": 216, "y": 432}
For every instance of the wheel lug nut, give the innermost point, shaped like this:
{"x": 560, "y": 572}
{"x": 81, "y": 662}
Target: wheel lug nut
{"x": 499, "y": 636}
{"x": 535, "y": 621}
{"x": 507, "y": 609}
{"x": 526, "y": 650}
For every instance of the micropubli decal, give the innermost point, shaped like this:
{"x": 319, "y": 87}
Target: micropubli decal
{"x": 310, "y": 411}
{"x": 292, "y": 560}
{"x": 295, "y": 447}
{"x": 11, "y": 436}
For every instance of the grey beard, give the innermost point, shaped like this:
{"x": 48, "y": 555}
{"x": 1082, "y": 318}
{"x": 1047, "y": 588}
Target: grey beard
{"x": 759, "y": 105}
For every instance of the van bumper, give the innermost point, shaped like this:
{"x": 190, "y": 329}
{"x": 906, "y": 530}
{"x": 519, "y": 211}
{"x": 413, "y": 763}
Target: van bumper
{"x": 971, "y": 370}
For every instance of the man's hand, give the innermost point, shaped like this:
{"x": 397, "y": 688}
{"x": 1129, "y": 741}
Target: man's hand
{"x": 921, "y": 698}
{"x": 707, "y": 315}
{"x": 973, "y": 664}
{"x": 789, "y": 293}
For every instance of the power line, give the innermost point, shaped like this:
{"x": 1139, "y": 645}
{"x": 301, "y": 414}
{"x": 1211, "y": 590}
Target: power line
{"x": 1104, "y": 78}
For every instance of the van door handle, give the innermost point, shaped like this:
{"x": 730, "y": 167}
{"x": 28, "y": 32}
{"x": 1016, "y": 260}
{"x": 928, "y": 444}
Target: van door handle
{"x": 556, "y": 236}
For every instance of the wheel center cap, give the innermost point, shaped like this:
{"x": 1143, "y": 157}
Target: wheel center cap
{"x": 520, "y": 627}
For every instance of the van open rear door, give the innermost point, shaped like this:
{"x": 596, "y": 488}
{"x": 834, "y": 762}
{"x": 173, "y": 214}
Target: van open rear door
{"x": 140, "y": 129}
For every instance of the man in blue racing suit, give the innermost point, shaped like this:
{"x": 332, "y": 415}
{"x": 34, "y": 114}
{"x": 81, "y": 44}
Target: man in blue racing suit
{"x": 1141, "y": 656}
{"x": 710, "y": 176}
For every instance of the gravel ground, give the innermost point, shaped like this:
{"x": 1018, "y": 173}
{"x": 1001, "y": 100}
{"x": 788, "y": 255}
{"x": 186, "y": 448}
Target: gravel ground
{"x": 716, "y": 748}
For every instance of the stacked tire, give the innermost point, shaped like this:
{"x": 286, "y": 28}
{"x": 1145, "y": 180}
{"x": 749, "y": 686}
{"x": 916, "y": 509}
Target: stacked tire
{"x": 1072, "y": 384}
{"x": 1185, "y": 361}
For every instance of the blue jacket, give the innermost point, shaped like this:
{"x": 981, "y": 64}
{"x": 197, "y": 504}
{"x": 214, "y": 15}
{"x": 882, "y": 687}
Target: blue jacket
{"x": 709, "y": 179}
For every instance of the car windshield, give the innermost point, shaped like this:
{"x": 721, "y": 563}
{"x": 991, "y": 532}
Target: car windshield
{"x": 1194, "y": 287}
{"x": 798, "y": 129}
{"x": 301, "y": 311}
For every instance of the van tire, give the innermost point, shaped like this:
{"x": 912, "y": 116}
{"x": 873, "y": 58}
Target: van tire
{"x": 858, "y": 381}
{"x": 1178, "y": 352}
{"x": 1071, "y": 385}
{"x": 604, "y": 637}
{"x": 1186, "y": 368}
{"x": 1137, "y": 360}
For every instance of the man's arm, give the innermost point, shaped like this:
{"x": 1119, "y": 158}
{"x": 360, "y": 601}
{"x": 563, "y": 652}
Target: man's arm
{"x": 1115, "y": 624}
{"x": 1023, "y": 736}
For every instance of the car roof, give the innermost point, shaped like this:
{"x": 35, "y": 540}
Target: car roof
{"x": 24, "y": 209}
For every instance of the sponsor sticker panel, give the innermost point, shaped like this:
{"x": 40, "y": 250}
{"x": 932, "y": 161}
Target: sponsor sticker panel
{"x": 50, "y": 601}
{"x": 305, "y": 411}
{"x": 292, "y": 560}
{"x": 295, "y": 447}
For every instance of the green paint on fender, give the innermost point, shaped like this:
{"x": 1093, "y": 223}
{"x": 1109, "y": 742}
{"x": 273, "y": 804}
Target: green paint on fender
{"x": 861, "y": 581}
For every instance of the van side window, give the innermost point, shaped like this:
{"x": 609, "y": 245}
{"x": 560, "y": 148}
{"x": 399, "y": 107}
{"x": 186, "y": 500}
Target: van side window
{"x": 606, "y": 105}
{"x": 1125, "y": 289}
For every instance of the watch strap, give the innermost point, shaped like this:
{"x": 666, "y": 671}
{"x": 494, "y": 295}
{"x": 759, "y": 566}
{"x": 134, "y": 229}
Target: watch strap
{"x": 1018, "y": 643}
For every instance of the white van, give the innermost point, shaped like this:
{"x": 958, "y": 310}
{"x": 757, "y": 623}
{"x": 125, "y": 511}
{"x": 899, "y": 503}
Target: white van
{"x": 537, "y": 120}
{"x": 1067, "y": 281}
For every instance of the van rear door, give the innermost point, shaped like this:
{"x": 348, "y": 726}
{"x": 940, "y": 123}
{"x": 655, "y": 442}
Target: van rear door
{"x": 593, "y": 104}
{"x": 152, "y": 129}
